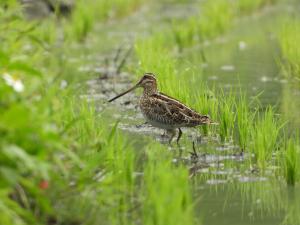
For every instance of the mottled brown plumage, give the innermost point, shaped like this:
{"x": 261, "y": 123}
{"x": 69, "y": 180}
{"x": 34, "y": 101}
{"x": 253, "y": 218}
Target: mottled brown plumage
{"x": 163, "y": 111}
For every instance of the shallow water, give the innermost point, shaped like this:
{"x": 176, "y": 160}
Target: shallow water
{"x": 226, "y": 188}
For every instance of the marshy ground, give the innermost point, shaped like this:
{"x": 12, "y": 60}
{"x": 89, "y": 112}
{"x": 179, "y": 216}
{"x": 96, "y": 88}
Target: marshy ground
{"x": 70, "y": 157}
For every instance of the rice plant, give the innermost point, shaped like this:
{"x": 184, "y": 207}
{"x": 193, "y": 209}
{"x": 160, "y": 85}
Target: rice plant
{"x": 207, "y": 104}
{"x": 245, "y": 119}
{"x": 227, "y": 116}
{"x": 264, "y": 136}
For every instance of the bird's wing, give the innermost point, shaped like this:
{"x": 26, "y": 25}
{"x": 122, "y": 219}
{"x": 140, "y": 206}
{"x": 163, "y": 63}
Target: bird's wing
{"x": 174, "y": 111}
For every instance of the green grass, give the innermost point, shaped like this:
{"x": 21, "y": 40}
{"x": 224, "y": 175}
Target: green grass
{"x": 244, "y": 119}
{"x": 265, "y": 134}
{"x": 227, "y": 116}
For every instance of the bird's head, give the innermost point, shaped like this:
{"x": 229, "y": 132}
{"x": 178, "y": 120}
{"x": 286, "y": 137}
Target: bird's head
{"x": 148, "y": 82}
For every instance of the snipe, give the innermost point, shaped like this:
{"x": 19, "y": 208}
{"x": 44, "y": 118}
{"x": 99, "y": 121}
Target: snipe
{"x": 163, "y": 111}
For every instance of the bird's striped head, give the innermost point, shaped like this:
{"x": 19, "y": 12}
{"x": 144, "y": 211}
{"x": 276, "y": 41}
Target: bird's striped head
{"x": 147, "y": 81}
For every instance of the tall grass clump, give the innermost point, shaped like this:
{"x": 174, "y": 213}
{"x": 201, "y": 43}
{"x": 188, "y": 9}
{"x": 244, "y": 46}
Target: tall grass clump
{"x": 288, "y": 37}
{"x": 227, "y": 116}
{"x": 291, "y": 160}
{"x": 167, "y": 200}
{"x": 245, "y": 118}
{"x": 206, "y": 103}
{"x": 265, "y": 136}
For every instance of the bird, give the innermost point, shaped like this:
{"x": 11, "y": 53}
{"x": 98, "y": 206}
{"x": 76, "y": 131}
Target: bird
{"x": 163, "y": 111}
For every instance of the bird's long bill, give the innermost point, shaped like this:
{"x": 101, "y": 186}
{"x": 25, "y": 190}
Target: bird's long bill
{"x": 124, "y": 93}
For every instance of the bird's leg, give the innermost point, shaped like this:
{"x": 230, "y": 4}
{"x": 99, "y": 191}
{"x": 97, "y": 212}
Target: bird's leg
{"x": 179, "y": 135}
{"x": 173, "y": 133}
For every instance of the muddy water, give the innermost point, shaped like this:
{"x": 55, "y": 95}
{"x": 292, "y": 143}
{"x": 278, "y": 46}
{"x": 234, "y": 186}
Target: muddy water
{"x": 226, "y": 189}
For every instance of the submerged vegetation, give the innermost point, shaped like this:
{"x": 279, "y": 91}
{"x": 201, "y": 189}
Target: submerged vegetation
{"x": 64, "y": 159}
